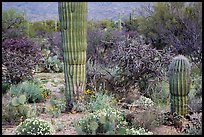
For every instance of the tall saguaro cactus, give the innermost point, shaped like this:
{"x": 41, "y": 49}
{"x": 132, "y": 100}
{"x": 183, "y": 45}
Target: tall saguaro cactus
{"x": 179, "y": 83}
{"x": 73, "y": 25}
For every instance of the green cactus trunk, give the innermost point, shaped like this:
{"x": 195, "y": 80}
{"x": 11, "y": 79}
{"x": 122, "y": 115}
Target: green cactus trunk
{"x": 56, "y": 25}
{"x": 119, "y": 23}
{"x": 130, "y": 18}
{"x": 73, "y": 25}
{"x": 28, "y": 29}
{"x": 179, "y": 83}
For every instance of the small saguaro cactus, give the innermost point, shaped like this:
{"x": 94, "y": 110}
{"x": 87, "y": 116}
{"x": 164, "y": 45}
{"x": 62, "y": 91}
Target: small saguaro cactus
{"x": 73, "y": 26}
{"x": 55, "y": 25}
{"x": 179, "y": 83}
{"x": 119, "y": 23}
{"x": 130, "y": 18}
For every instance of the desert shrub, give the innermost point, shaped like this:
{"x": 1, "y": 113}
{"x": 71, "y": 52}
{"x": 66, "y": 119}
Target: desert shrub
{"x": 100, "y": 43}
{"x": 52, "y": 42}
{"x": 89, "y": 95}
{"x": 133, "y": 65}
{"x": 159, "y": 92}
{"x": 5, "y": 86}
{"x": 146, "y": 118}
{"x": 191, "y": 130}
{"x": 58, "y": 126}
{"x": 196, "y": 86}
{"x": 55, "y": 45}
{"x": 34, "y": 126}
{"x": 144, "y": 102}
{"x": 55, "y": 107}
{"x": 5, "y": 82}
{"x": 34, "y": 91}
{"x": 195, "y": 104}
{"x": 139, "y": 63}
{"x": 106, "y": 121}
{"x": 19, "y": 56}
{"x": 94, "y": 101}
{"x": 99, "y": 101}
{"x": 121, "y": 64}
{"x": 138, "y": 131}
{"x": 52, "y": 54}
{"x": 15, "y": 109}
{"x": 195, "y": 94}
{"x": 195, "y": 125}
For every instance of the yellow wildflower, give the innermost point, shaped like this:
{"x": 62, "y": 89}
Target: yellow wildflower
{"x": 50, "y": 107}
{"x": 88, "y": 91}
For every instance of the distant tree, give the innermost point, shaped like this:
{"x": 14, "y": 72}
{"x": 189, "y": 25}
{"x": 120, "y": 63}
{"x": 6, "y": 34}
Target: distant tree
{"x": 105, "y": 24}
{"x": 43, "y": 27}
{"x": 132, "y": 24}
{"x": 177, "y": 25}
{"x": 13, "y": 24}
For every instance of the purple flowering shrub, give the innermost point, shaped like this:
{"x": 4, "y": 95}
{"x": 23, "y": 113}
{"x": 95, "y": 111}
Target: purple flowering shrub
{"x": 19, "y": 57}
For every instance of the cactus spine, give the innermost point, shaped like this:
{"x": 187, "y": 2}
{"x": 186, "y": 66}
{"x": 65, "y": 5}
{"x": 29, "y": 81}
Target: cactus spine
{"x": 179, "y": 83}
{"x": 73, "y": 25}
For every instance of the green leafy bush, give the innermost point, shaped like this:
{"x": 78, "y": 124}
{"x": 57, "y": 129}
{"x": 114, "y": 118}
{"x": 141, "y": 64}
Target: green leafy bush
{"x": 139, "y": 131}
{"x": 160, "y": 93}
{"x": 34, "y": 91}
{"x": 144, "y": 102}
{"x": 100, "y": 122}
{"x": 5, "y": 86}
{"x": 106, "y": 121}
{"x": 97, "y": 101}
{"x": 34, "y": 126}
